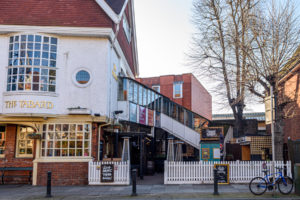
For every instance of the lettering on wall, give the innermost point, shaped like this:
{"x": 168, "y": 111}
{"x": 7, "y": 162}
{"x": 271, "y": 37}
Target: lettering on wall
{"x": 114, "y": 72}
{"x": 29, "y": 104}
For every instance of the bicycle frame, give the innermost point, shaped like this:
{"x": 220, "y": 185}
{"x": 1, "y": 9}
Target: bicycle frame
{"x": 280, "y": 176}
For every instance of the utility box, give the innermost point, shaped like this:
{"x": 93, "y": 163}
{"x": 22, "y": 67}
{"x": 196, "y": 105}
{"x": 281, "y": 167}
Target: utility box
{"x": 297, "y": 178}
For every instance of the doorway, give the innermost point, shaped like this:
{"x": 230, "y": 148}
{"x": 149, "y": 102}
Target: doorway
{"x": 246, "y": 154}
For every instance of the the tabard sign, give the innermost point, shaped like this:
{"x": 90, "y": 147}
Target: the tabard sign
{"x": 222, "y": 173}
{"x": 107, "y": 173}
{"x": 29, "y": 104}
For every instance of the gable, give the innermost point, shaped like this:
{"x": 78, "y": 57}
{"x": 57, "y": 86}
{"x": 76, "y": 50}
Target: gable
{"x": 75, "y": 13}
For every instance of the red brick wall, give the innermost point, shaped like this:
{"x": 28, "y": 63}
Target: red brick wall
{"x": 290, "y": 92}
{"x": 70, "y": 173}
{"x": 10, "y": 159}
{"x": 195, "y": 96}
{"x": 128, "y": 48}
{"x": 201, "y": 99}
{"x": 78, "y": 13}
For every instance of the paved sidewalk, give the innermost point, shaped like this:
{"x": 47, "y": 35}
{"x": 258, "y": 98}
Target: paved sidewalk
{"x": 233, "y": 191}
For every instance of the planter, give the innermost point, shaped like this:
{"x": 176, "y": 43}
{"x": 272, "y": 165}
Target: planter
{"x": 34, "y": 136}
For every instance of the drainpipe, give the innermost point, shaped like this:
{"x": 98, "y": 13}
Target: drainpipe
{"x": 99, "y": 136}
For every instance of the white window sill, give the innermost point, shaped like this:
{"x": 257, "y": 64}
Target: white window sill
{"x": 25, "y": 93}
{"x": 177, "y": 97}
{"x": 62, "y": 159}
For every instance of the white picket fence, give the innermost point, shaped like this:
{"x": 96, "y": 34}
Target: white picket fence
{"x": 201, "y": 172}
{"x": 121, "y": 173}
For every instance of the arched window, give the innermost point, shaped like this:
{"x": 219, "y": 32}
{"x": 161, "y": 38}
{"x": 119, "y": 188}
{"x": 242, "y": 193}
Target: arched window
{"x": 32, "y": 63}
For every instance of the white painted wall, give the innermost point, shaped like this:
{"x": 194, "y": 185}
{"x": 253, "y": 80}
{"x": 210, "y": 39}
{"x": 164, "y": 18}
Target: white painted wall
{"x": 73, "y": 53}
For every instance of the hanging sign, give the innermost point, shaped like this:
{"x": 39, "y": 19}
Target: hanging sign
{"x": 222, "y": 173}
{"x": 211, "y": 133}
{"x": 107, "y": 173}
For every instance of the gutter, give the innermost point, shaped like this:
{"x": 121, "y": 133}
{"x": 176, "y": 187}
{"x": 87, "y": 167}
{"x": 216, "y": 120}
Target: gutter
{"x": 99, "y": 136}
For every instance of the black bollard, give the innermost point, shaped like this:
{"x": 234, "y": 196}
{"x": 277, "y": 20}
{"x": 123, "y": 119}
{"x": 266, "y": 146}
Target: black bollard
{"x": 215, "y": 182}
{"x": 133, "y": 176}
{"x": 48, "y": 185}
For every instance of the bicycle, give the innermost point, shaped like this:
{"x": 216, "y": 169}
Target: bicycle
{"x": 259, "y": 185}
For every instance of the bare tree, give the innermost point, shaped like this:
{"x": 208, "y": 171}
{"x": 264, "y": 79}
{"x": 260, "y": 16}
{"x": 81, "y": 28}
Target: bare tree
{"x": 275, "y": 37}
{"x": 222, "y": 30}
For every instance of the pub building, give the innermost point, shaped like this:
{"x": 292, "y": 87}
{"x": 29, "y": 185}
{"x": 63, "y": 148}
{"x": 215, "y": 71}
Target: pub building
{"x": 67, "y": 71}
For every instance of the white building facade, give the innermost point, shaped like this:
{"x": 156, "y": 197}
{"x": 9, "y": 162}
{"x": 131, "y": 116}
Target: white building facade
{"x": 59, "y": 85}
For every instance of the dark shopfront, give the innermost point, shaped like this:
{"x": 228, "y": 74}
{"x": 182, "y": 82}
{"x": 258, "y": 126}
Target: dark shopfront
{"x": 141, "y": 142}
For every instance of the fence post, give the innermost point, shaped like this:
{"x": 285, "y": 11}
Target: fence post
{"x": 215, "y": 182}
{"x": 133, "y": 183}
{"x": 48, "y": 194}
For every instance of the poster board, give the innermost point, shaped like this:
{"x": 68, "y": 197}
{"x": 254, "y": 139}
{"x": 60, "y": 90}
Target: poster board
{"x": 211, "y": 133}
{"x": 216, "y": 153}
{"x": 205, "y": 154}
{"x": 222, "y": 173}
{"x": 107, "y": 173}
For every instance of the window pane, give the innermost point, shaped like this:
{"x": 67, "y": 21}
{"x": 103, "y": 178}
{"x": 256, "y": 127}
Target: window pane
{"x": 30, "y": 38}
{"x": 53, "y": 40}
{"x": 38, "y": 38}
{"x": 23, "y": 38}
{"x": 140, "y": 95}
{"x": 135, "y": 93}
{"x": 37, "y": 46}
{"x": 82, "y": 77}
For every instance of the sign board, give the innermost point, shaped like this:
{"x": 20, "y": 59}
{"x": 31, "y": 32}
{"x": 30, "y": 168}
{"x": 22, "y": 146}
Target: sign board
{"x": 268, "y": 110}
{"x": 222, "y": 173}
{"x": 211, "y": 133}
{"x": 157, "y": 119}
{"x": 205, "y": 154}
{"x": 217, "y": 153}
{"x": 150, "y": 117}
{"x": 142, "y": 115}
{"x": 107, "y": 173}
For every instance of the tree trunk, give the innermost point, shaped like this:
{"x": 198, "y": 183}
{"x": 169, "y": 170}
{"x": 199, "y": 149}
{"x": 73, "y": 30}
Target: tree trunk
{"x": 278, "y": 129}
{"x": 238, "y": 120}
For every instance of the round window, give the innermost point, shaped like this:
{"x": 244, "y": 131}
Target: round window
{"x": 83, "y": 77}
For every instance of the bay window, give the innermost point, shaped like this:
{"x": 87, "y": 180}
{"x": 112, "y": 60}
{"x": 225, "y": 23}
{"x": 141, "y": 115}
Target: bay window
{"x": 66, "y": 140}
{"x": 32, "y": 63}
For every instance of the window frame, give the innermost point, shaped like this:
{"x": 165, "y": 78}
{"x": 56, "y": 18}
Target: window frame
{"x": 156, "y": 86}
{"x": 75, "y": 80}
{"x": 3, "y": 140}
{"x": 126, "y": 28}
{"x": 174, "y": 89}
{"x": 27, "y": 63}
{"x": 83, "y": 140}
{"x": 18, "y": 155}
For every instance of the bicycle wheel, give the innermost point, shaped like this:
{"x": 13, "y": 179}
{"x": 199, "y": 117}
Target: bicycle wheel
{"x": 285, "y": 185}
{"x": 258, "y": 186}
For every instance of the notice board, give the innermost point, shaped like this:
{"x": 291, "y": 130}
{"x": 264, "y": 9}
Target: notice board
{"x": 222, "y": 173}
{"x": 107, "y": 173}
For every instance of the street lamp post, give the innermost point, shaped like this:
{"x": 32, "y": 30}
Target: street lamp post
{"x": 273, "y": 136}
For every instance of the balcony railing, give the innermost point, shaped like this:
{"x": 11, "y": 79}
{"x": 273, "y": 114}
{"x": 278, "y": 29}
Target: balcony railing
{"x": 144, "y": 103}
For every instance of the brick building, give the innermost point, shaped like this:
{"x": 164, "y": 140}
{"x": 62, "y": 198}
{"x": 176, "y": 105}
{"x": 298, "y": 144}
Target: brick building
{"x": 183, "y": 89}
{"x": 289, "y": 100}
{"x": 59, "y": 63}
